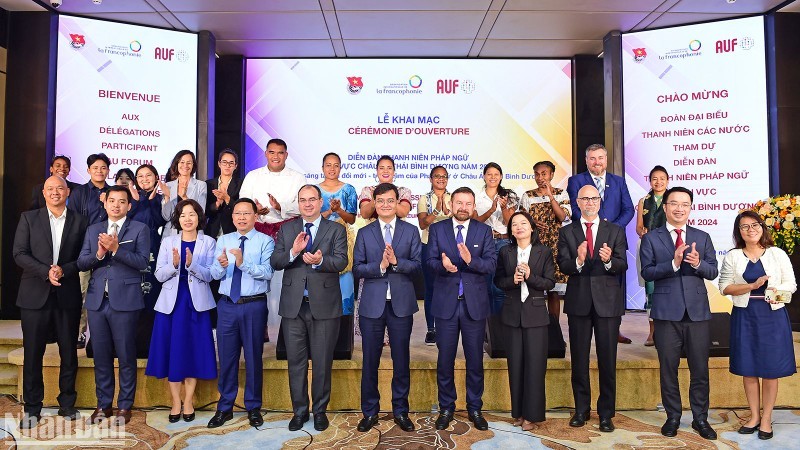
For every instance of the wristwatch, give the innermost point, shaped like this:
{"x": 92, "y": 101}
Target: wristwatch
{"x": 436, "y": 212}
{"x": 393, "y": 267}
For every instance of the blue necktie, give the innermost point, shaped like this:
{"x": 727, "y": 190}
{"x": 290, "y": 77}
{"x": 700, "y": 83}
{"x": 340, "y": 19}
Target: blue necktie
{"x": 236, "y": 282}
{"x": 601, "y": 187}
{"x": 308, "y": 233}
{"x": 460, "y": 240}
{"x": 387, "y": 235}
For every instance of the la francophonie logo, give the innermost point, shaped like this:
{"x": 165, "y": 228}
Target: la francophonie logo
{"x": 354, "y": 85}
{"x": 78, "y": 40}
{"x": 639, "y": 54}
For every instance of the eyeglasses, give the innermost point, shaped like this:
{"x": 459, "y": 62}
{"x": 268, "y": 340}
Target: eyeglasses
{"x": 243, "y": 214}
{"x": 589, "y": 199}
{"x": 440, "y": 177}
{"x": 388, "y": 201}
{"x": 303, "y": 201}
{"x": 679, "y": 205}
{"x": 227, "y": 163}
{"x": 748, "y": 226}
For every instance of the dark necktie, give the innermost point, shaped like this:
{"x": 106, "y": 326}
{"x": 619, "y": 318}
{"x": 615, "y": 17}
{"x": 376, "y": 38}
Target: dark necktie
{"x": 460, "y": 240}
{"x": 308, "y": 233}
{"x": 590, "y": 239}
{"x": 236, "y": 282}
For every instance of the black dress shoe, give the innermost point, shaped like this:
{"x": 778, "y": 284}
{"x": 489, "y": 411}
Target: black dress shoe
{"x": 404, "y": 422}
{"x": 579, "y": 419}
{"x": 443, "y": 421}
{"x": 670, "y": 428}
{"x": 69, "y": 413}
{"x": 188, "y": 417}
{"x": 430, "y": 337}
{"x": 255, "y": 417}
{"x": 29, "y": 421}
{"x": 174, "y": 418}
{"x": 748, "y": 430}
{"x": 477, "y": 419}
{"x": 704, "y": 429}
{"x": 219, "y": 419}
{"x": 763, "y": 435}
{"x": 606, "y": 425}
{"x": 367, "y": 423}
{"x": 297, "y": 422}
{"x": 321, "y": 422}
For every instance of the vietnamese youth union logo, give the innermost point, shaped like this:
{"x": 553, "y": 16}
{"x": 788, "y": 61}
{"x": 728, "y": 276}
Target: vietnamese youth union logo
{"x": 639, "y": 54}
{"x": 746, "y": 43}
{"x": 354, "y": 85}
{"x": 695, "y": 45}
{"x": 135, "y": 46}
{"x": 415, "y": 82}
{"x": 78, "y": 40}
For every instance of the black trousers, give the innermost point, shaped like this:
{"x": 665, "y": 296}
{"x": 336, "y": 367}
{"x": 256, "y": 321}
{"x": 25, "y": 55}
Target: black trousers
{"x": 37, "y": 326}
{"x": 606, "y": 332}
{"x": 527, "y": 365}
{"x": 670, "y": 337}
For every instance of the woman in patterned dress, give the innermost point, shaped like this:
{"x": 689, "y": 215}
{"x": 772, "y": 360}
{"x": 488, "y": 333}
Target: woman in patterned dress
{"x": 549, "y": 207}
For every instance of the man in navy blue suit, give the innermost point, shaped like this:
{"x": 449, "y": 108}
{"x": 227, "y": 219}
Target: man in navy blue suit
{"x": 615, "y": 200}
{"x": 462, "y": 254}
{"x": 116, "y": 251}
{"x": 679, "y": 258}
{"x": 386, "y": 255}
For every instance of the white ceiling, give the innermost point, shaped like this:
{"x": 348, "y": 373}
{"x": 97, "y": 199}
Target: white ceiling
{"x": 409, "y": 28}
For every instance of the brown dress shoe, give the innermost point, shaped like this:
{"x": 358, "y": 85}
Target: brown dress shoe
{"x": 124, "y": 416}
{"x": 100, "y": 414}
{"x": 623, "y": 340}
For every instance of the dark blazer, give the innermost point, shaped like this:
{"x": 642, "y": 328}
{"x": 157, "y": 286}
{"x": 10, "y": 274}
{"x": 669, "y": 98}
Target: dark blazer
{"x": 685, "y": 290}
{"x": 593, "y": 285}
{"x": 442, "y": 239}
{"x": 367, "y": 256}
{"x": 532, "y": 313}
{"x": 324, "y": 295}
{"x": 616, "y": 206}
{"x": 37, "y": 198}
{"x": 122, "y": 270}
{"x": 33, "y": 252}
{"x": 222, "y": 216}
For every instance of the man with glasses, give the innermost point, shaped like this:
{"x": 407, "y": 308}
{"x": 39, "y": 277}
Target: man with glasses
{"x": 59, "y": 166}
{"x": 242, "y": 263}
{"x": 678, "y": 259}
{"x": 615, "y": 200}
{"x": 223, "y": 193}
{"x": 386, "y": 256}
{"x": 591, "y": 252}
{"x": 311, "y": 251}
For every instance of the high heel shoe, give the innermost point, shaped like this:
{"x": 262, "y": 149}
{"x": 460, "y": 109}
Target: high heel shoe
{"x": 173, "y": 418}
{"x": 188, "y": 417}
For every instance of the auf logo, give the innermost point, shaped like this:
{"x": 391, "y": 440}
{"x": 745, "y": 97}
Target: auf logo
{"x": 163, "y": 53}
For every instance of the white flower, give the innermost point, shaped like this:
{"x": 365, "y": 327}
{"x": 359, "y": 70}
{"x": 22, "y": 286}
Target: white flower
{"x": 788, "y": 225}
{"x": 769, "y": 222}
{"x": 789, "y": 218}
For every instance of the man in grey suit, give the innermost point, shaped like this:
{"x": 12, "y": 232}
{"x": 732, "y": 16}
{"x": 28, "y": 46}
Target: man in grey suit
{"x": 679, "y": 258}
{"x": 311, "y": 251}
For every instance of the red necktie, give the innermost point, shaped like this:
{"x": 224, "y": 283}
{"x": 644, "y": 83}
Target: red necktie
{"x": 679, "y": 239}
{"x": 590, "y": 239}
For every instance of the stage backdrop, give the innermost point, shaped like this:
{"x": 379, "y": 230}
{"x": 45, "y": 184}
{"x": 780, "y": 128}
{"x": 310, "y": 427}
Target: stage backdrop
{"x": 127, "y": 91}
{"x": 695, "y": 102}
{"x": 460, "y": 114}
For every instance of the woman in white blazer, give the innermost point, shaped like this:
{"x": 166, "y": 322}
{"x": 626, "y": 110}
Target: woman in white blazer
{"x": 181, "y": 185}
{"x": 182, "y": 346}
{"x": 761, "y": 333}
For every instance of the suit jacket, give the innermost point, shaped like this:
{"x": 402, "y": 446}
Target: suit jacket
{"x": 593, "y": 285}
{"x": 442, "y": 239}
{"x": 322, "y": 282}
{"x": 532, "y": 313}
{"x": 616, "y": 205}
{"x": 196, "y": 191}
{"x": 199, "y": 273}
{"x": 367, "y": 256}
{"x": 37, "y": 198}
{"x": 683, "y": 291}
{"x": 221, "y": 217}
{"x": 33, "y": 252}
{"x": 123, "y": 270}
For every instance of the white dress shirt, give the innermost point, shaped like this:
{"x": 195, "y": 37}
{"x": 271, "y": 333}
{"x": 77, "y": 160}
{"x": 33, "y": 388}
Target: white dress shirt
{"x": 392, "y": 228}
{"x": 283, "y": 185}
{"x": 522, "y": 257}
{"x": 57, "y": 231}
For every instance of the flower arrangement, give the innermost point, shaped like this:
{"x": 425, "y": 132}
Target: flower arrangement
{"x": 781, "y": 215}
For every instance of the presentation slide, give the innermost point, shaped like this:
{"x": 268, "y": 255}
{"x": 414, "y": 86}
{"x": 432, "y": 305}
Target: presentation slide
{"x": 124, "y": 90}
{"x": 695, "y": 102}
{"x": 460, "y": 114}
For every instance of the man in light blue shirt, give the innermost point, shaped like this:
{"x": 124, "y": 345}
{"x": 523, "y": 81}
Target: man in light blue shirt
{"x": 242, "y": 265}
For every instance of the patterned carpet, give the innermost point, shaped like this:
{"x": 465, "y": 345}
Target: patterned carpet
{"x": 151, "y": 430}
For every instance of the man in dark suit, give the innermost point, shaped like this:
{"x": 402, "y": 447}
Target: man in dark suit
{"x": 311, "y": 251}
{"x": 615, "y": 200}
{"x": 386, "y": 255}
{"x": 461, "y": 255}
{"x": 223, "y": 192}
{"x": 59, "y": 166}
{"x": 46, "y": 247}
{"x": 679, "y": 258}
{"x": 116, "y": 251}
{"x": 591, "y": 252}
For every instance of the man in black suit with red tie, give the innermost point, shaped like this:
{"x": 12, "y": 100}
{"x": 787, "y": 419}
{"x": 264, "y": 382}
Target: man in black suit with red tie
{"x": 592, "y": 253}
{"x": 46, "y": 247}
